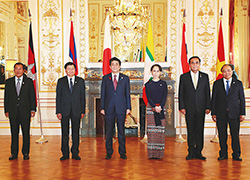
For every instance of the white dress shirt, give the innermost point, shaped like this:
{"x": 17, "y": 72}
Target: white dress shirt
{"x": 73, "y": 80}
{"x": 225, "y": 83}
{"x": 197, "y": 77}
{"x": 21, "y": 81}
{"x": 117, "y": 76}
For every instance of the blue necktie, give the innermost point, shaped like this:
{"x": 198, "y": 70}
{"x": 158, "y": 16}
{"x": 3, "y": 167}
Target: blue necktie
{"x": 71, "y": 85}
{"x": 227, "y": 88}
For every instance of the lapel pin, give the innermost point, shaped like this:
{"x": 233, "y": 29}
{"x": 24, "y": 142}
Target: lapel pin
{"x": 121, "y": 77}
{"x": 160, "y": 84}
{"x": 23, "y": 82}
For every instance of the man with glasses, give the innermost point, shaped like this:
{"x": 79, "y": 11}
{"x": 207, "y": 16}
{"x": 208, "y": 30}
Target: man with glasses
{"x": 194, "y": 103}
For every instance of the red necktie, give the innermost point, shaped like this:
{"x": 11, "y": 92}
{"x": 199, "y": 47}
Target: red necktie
{"x": 115, "y": 82}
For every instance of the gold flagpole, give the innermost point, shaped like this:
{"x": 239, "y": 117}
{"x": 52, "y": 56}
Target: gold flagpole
{"x": 41, "y": 139}
{"x": 145, "y": 139}
{"x": 180, "y": 138}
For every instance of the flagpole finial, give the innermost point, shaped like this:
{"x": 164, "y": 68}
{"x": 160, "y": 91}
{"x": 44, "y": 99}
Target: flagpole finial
{"x": 221, "y": 12}
{"x": 184, "y": 13}
{"x": 29, "y": 14}
{"x": 70, "y": 13}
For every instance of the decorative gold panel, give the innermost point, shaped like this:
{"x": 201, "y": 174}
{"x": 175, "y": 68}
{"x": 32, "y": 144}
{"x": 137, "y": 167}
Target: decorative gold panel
{"x": 94, "y": 32}
{"x": 50, "y": 26}
{"x": 205, "y": 30}
{"x": 159, "y": 24}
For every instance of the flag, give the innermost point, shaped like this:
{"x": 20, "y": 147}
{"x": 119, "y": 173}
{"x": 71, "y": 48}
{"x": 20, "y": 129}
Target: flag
{"x": 72, "y": 48}
{"x": 141, "y": 58}
{"x": 249, "y": 48}
{"x": 220, "y": 53}
{"x": 166, "y": 50}
{"x": 32, "y": 62}
{"x": 149, "y": 60}
{"x": 106, "y": 48}
{"x": 184, "y": 61}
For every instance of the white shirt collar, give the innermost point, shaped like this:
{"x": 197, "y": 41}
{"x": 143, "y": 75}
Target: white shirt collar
{"x": 225, "y": 81}
{"x": 192, "y": 74}
{"x": 117, "y": 77}
{"x": 73, "y": 79}
{"x": 21, "y": 79}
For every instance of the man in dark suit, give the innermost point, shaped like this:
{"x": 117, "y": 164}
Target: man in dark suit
{"x": 115, "y": 103}
{"x": 194, "y": 102}
{"x": 19, "y": 107}
{"x": 228, "y": 107}
{"x": 70, "y": 104}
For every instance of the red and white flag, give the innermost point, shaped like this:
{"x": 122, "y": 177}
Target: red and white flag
{"x": 32, "y": 62}
{"x": 184, "y": 61}
{"x": 106, "y": 48}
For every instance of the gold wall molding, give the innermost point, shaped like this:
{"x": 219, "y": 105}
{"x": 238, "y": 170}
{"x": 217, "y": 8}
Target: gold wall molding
{"x": 83, "y": 35}
{"x": 173, "y": 38}
{"x": 51, "y": 58}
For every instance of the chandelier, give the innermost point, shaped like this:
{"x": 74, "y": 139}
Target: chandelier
{"x": 128, "y": 19}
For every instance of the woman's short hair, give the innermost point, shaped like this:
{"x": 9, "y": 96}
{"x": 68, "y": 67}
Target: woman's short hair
{"x": 156, "y": 65}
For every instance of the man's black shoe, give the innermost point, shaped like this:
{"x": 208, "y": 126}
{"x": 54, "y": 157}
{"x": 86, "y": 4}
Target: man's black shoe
{"x": 237, "y": 158}
{"x": 123, "y": 156}
{"x": 26, "y": 157}
{"x": 200, "y": 157}
{"x": 64, "y": 158}
{"x": 13, "y": 156}
{"x": 222, "y": 158}
{"x": 76, "y": 157}
{"x": 108, "y": 156}
{"x": 190, "y": 156}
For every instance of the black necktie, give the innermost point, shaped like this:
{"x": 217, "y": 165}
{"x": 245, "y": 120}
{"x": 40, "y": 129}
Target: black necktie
{"x": 71, "y": 86}
{"x": 227, "y": 88}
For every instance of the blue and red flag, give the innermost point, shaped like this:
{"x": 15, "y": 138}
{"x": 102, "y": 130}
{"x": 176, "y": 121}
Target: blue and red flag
{"x": 72, "y": 48}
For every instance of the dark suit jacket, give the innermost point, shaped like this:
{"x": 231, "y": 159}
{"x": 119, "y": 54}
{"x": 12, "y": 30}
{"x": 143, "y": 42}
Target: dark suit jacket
{"x": 26, "y": 101}
{"x": 118, "y": 100}
{"x": 233, "y": 103}
{"x": 65, "y": 101}
{"x": 193, "y": 99}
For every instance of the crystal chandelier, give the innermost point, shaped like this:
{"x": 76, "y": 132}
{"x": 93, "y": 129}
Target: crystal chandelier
{"x": 128, "y": 20}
